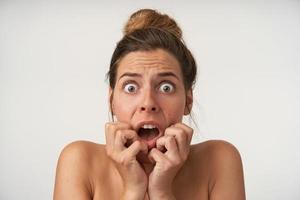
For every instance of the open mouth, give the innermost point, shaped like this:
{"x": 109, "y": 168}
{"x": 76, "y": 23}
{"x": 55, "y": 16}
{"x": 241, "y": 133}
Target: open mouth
{"x": 148, "y": 132}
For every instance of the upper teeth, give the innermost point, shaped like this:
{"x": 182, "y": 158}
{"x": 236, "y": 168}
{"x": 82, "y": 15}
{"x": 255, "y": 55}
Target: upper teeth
{"x": 148, "y": 126}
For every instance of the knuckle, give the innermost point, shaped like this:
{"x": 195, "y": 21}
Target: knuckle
{"x": 159, "y": 140}
{"x": 119, "y": 132}
{"x": 168, "y": 165}
{"x": 153, "y": 151}
{"x": 178, "y": 130}
{"x": 122, "y": 159}
{"x": 107, "y": 124}
{"x": 178, "y": 162}
{"x": 182, "y": 159}
{"x": 137, "y": 144}
{"x": 131, "y": 133}
{"x": 170, "y": 139}
{"x": 167, "y": 138}
{"x": 181, "y": 131}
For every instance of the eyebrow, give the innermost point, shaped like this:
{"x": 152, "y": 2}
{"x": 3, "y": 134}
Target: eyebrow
{"x": 162, "y": 74}
{"x": 130, "y": 75}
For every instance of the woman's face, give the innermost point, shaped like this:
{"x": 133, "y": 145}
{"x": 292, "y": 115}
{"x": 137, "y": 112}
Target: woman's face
{"x": 149, "y": 93}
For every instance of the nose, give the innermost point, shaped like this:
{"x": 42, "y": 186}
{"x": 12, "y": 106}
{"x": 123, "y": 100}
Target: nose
{"x": 149, "y": 103}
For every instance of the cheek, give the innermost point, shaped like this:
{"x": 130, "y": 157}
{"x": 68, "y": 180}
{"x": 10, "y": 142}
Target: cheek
{"x": 175, "y": 110}
{"x": 123, "y": 108}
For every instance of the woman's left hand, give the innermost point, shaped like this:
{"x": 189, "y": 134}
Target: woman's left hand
{"x": 169, "y": 156}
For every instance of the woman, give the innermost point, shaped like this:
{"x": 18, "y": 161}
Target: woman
{"x": 148, "y": 153}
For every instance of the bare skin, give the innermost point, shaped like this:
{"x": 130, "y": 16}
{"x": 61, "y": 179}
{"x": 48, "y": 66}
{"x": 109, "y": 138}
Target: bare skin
{"x": 148, "y": 154}
{"x": 212, "y": 171}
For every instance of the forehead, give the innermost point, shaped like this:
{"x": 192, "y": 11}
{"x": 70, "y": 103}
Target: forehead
{"x": 149, "y": 61}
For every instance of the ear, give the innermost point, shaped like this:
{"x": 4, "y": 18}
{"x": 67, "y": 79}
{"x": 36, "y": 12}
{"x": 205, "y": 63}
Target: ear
{"x": 188, "y": 102}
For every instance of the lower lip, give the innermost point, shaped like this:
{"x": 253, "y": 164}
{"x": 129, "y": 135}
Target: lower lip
{"x": 151, "y": 143}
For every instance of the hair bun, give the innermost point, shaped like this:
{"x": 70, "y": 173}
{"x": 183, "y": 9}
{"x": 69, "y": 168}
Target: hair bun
{"x": 146, "y": 18}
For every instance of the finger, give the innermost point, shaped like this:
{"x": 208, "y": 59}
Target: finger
{"x": 160, "y": 144}
{"x": 111, "y": 129}
{"x": 179, "y": 135}
{"x": 157, "y": 156}
{"x": 135, "y": 148}
{"x": 169, "y": 143}
{"x": 188, "y": 130}
{"x": 181, "y": 138}
{"x": 124, "y": 137}
{"x": 109, "y": 137}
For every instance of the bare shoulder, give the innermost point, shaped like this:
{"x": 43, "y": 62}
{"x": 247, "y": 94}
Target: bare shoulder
{"x": 82, "y": 149}
{"x": 75, "y": 170}
{"x": 217, "y": 149}
{"x": 82, "y": 153}
{"x": 224, "y": 164}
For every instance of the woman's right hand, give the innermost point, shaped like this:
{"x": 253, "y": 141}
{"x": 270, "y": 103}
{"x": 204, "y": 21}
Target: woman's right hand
{"x": 118, "y": 136}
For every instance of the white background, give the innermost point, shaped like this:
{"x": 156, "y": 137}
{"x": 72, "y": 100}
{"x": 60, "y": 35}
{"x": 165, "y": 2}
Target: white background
{"x": 53, "y": 60}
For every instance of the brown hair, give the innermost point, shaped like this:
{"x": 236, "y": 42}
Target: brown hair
{"x": 148, "y": 30}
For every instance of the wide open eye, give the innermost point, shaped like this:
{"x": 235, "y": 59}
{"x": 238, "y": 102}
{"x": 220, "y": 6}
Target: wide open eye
{"x": 166, "y": 87}
{"x": 130, "y": 88}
